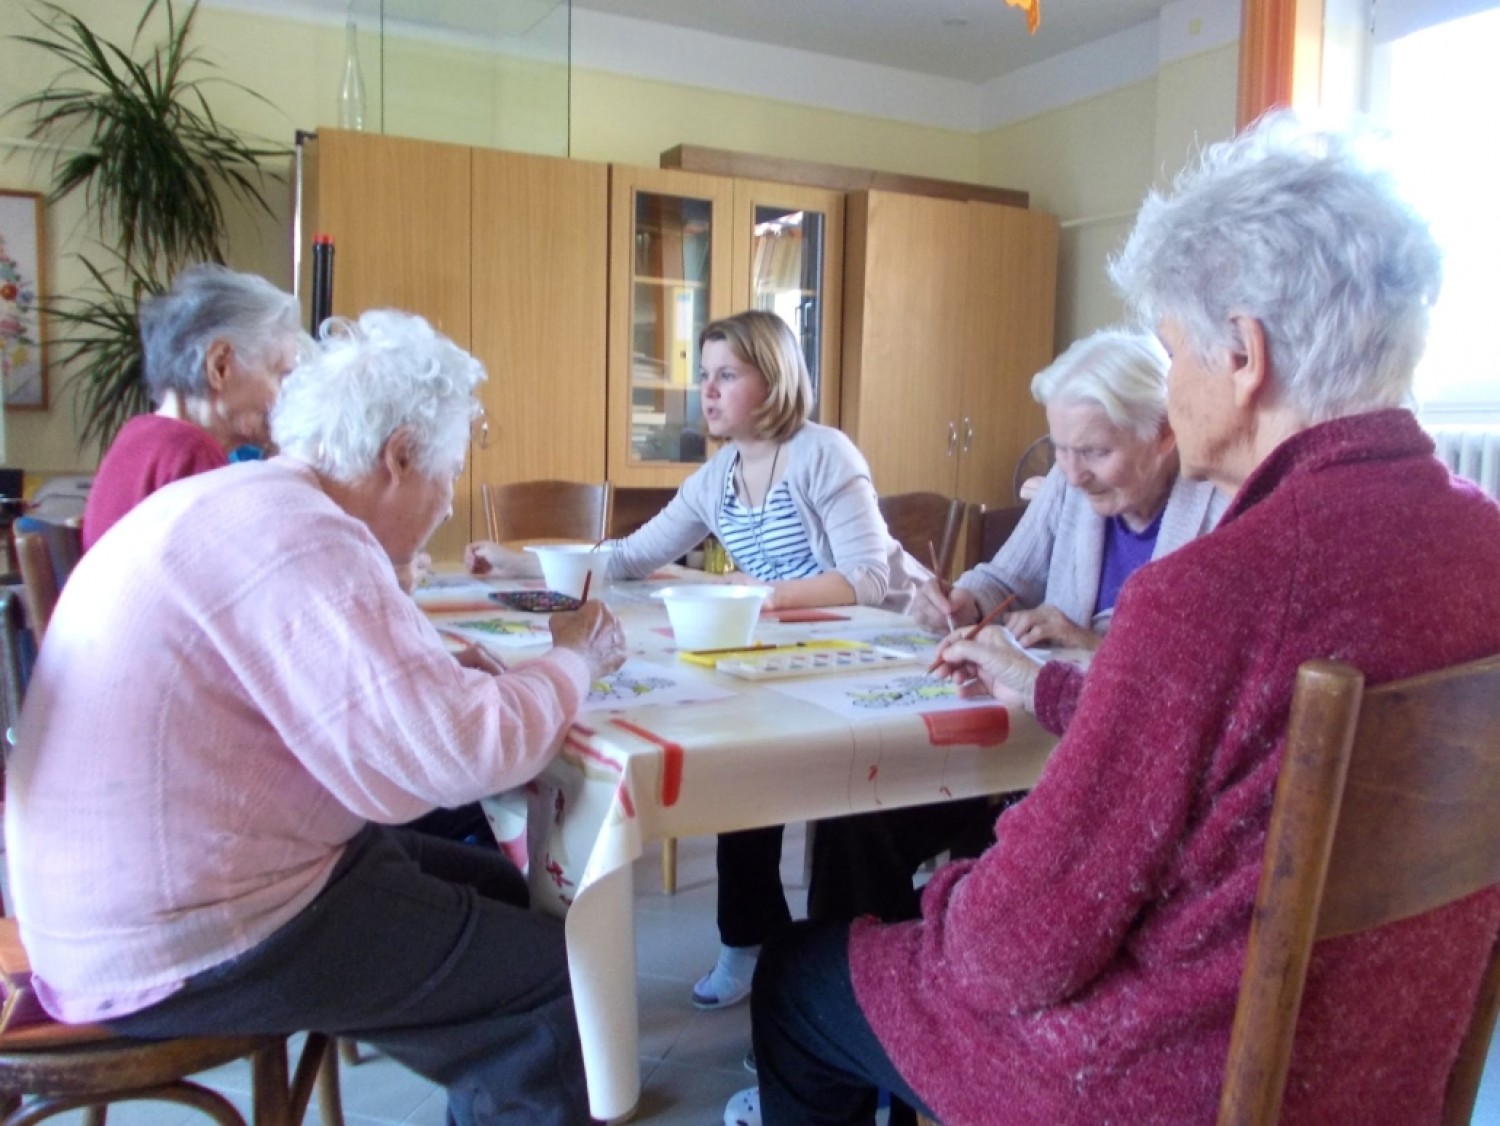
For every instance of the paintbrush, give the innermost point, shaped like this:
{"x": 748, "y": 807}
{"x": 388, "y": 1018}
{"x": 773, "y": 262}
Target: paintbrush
{"x": 937, "y": 575}
{"x": 587, "y": 582}
{"x": 973, "y": 633}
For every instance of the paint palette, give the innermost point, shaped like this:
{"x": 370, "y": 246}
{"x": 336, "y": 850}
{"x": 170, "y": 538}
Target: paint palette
{"x": 815, "y": 659}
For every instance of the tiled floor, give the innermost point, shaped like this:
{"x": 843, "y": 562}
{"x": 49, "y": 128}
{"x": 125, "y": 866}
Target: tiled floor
{"x": 691, "y": 1062}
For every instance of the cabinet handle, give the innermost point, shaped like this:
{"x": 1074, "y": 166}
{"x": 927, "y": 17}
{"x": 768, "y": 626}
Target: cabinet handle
{"x": 484, "y": 434}
{"x": 952, "y": 438}
{"x": 968, "y": 433}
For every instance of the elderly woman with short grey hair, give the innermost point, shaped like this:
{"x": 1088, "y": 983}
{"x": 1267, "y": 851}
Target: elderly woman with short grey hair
{"x": 1113, "y": 501}
{"x": 235, "y": 703}
{"x": 215, "y": 348}
{"x": 1091, "y": 958}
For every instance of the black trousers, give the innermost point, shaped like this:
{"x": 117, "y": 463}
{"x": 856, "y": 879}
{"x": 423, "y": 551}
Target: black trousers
{"x": 817, "y": 1060}
{"x": 864, "y": 864}
{"x": 425, "y": 949}
{"x": 751, "y": 904}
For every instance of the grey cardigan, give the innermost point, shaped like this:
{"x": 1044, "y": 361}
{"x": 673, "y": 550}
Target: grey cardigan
{"x": 830, "y": 485}
{"x": 1056, "y": 553}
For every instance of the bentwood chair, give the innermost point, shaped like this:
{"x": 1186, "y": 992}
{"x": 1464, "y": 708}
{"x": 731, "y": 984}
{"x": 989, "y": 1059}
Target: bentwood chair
{"x": 917, "y": 520}
{"x": 1036, "y": 460}
{"x": 987, "y": 530}
{"x": 1385, "y": 809}
{"x": 46, "y": 554}
{"x": 547, "y": 510}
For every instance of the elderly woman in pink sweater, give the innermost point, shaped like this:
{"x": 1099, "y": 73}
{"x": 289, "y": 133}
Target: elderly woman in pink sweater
{"x": 234, "y": 701}
{"x": 1085, "y": 968}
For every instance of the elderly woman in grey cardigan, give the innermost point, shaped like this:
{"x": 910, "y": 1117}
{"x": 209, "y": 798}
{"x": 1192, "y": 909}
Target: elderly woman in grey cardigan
{"x": 1113, "y": 502}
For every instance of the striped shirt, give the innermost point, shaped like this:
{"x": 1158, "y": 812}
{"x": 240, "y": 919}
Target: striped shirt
{"x": 769, "y": 542}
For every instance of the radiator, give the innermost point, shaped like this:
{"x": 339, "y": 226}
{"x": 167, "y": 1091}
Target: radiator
{"x": 1472, "y": 452}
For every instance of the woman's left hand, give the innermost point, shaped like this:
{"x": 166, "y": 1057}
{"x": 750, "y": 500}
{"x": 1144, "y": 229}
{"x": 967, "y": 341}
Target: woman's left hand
{"x": 413, "y": 571}
{"x": 1047, "y": 625}
{"x": 993, "y": 659}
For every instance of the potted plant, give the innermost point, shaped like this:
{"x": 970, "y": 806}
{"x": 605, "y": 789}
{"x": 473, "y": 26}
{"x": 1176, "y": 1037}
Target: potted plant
{"x": 135, "y": 130}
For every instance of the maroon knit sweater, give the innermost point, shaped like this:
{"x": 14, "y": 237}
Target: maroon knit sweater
{"x": 1085, "y": 969}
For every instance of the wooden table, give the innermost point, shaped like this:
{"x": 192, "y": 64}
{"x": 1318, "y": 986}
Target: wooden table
{"x": 683, "y": 750}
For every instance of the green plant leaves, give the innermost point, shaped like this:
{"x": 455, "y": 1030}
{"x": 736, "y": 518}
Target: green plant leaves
{"x": 135, "y": 131}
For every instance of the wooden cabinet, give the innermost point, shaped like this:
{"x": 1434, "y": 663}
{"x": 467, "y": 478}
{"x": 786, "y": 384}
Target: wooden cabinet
{"x": 669, "y": 275}
{"x": 948, "y": 312}
{"x": 789, "y": 259}
{"x": 686, "y": 249}
{"x": 504, "y": 253}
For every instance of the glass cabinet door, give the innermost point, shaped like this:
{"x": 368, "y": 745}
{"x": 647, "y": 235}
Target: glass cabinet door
{"x": 672, "y": 259}
{"x": 789, "y": 262}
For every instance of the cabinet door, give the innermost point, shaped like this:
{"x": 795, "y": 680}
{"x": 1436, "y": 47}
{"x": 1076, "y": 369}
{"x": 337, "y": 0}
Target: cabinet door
{"x": 789, "y": 259}
{"x": 1012, "y": 289}
{"x": 905, "y": 336}
{"x": 669, "y": 275}
{"x": 540, "y": 246}
{"x": 398, "y": 211}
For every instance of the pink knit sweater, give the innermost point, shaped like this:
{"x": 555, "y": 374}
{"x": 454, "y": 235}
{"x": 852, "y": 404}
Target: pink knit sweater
{"x": 1085, "y": 969}
{"x": 232, "y": 685}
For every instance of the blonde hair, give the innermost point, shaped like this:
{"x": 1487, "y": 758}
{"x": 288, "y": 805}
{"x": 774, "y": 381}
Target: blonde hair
{"x": 766, "y": 341}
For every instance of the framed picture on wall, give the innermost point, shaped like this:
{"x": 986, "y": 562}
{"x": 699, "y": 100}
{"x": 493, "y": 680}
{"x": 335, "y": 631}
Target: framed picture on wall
{"x": 23, "y": 342}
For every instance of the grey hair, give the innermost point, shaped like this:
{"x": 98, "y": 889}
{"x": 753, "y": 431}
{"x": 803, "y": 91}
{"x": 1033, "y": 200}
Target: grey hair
{"x": 1123, "y": 373}
{"x": 1301, "y": 230}
{"x": 370, "y": 378}
{"x": 209, "y": 303}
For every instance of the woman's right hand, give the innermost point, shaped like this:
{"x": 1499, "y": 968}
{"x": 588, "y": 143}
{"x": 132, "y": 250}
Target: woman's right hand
{"x": 940, "y": 610}
{"x": 486, "y": 558}
{"x": 595, "y": 634}
{"x": 1004, "y": 670}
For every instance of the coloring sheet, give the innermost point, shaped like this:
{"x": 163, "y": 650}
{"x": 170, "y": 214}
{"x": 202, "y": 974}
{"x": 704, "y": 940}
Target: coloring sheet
{"x": 892, "y": 693}
{"x": 639, "y": 683}
{"x": 500, "y": 632}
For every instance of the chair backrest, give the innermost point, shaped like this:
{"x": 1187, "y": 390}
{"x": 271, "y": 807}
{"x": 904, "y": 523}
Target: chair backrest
{"x": 1385, "y": 808}
{"x": 547, "y": 510}
{"x": 46, "y": 554}
{"x": 918, "y": 519}
{"x": 987, "y": 529}
{"x": 1036, "y": 460}
{"x": 16, "y": 654}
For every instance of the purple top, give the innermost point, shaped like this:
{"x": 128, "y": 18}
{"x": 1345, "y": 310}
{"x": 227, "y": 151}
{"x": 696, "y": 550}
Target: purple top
{"x": 1125, "y": 552}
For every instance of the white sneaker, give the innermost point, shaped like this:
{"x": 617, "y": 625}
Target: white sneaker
{"x": 743, "y": 1108}
{"x": 728, "y": 983}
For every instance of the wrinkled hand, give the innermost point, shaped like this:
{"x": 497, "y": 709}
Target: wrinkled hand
{"x": 595, "y": 634}
{"x": 477, "y": 657}
{"x": 486, "y": 558}
{"x": 941, "y": 611}
{"x": 1047, "y": 625}
{"x": 1001, "y": 667}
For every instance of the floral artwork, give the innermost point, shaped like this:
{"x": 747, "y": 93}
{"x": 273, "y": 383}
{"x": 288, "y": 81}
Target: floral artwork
{"x": 23, "y": 357}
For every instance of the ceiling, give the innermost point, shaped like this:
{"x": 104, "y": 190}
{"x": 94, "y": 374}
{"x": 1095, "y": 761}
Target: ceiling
{"x": 970, "y": 40}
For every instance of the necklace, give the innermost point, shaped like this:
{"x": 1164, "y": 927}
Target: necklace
{"x": 758, "y": 515}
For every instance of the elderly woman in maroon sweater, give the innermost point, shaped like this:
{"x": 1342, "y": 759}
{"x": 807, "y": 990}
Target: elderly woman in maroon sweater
{"x": 1085, "y": 968}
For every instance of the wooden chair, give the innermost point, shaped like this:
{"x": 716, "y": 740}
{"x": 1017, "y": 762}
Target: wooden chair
{"x": 547, "y": 510}
{"x": 987, "y": 530}
{"x": 46, "y": 554}
{"x": 1036, "y": 460}
{"x": 1385, "y": 808}
{"x": 916, "y": 520}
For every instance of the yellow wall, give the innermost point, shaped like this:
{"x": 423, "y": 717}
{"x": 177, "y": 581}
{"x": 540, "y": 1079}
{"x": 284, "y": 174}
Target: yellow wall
{"x": 630, "y": 121}
{"x": 1091, "y": 163}
{"x": 1087, "y": 160}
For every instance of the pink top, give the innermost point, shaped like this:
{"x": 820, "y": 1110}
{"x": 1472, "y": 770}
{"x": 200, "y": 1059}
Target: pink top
{"x": 150, "y": 451}
{"x": 231, "y": 686}
{"x": 1085, "y": 969}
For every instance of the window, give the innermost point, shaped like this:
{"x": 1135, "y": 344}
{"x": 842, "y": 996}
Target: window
{"x": 1436, "y": 85}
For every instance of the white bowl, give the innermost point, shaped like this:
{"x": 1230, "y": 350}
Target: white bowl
{"x": 564, "y": 566}
{"x": 707, "y": 616}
